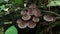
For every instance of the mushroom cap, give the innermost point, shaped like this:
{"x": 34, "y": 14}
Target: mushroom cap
{"x": 19, "y": 21}
{"x": 32, "y": 6}
{"x": 35, "y": 19}
{"x": 22, "y": 25}
{"x": 31, "y": 24}
{"x": 26, "y": 17}
{"x": 30, "y": 12}
{"x": 48, "y": 18}
{"x": 23, "y": 12}
{"x": 37, "y": 12}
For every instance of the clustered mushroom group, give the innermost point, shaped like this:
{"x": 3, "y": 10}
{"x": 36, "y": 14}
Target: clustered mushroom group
{"x": 30, "y": 17}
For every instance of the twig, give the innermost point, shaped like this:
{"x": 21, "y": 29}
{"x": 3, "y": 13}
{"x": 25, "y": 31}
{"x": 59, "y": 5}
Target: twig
{"x": 52, "y": 12}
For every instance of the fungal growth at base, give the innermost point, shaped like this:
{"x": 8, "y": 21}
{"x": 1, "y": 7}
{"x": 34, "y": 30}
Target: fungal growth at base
{"x": 31, "y": 16}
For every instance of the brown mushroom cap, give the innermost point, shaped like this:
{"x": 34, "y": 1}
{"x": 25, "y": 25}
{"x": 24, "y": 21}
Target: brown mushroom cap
{"x": 37, "y": 12}
{"x": 30, "y": 12}
{"x": 32, "y": 6}
{"x": 48, "y": 18}
{"x": 35, "y": 19}
{"x": 31, "y": 24}
{"x": 23, "y": 12}
{"x": 22, "y": 25}
{"x": 19, "y": 21}
{"x": 26, "y": 17}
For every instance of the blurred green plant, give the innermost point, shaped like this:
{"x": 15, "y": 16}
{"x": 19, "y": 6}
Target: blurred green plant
{"x": 1, "y": 30}
{"x": 2, "y": 7}
{"x": 11, "y": 30}
{"x": 53, "y": 3}
{"x": 6, "y": 0}
{"x": 18, "y": 1}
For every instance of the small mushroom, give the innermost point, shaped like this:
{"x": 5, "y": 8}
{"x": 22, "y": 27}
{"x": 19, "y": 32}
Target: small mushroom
{"x": 26, "y": 17}
{"x": 23, "y": 12}
{"x": 35, "y": 19}
{"x": 48, "y": 18}
{"x": 30, "y": 12}
{"x": 32, "y": 6}
{"x": 31, "y": 24}
{"x": 22, "y": 25}
{"x": 37, "y": 12}
{"x": 19, "y": 21}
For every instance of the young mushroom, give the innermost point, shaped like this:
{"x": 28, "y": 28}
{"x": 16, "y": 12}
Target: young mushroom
{"x": 19, "y": 21}
{"x": 21, "y": 24}
{"x": 37, "y": 12}
{"x": 32, "y": 6}
{"x": 30, "y": 12}
{"x": 26, "y": 17}
{"x": 48, "y": 18}
{"x": 23, "y": 12}
{"x": 35, "y": 19}
{"x": 31, "y": 24}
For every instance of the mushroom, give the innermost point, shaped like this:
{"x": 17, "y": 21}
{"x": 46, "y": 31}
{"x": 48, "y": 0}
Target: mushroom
{"x": 32, "y": 6}
{"x": 48, "y": 18}
{"x": 31, "y": 24}
{"x": 19, "y": 21}
{"x": 37, "y": 12}
{"x": 26, "y": 17}
{"x": 21, "y": 24}
{"x": 30, "y": 12}
{"x": 35, "y": 19}
{"x": 23, "y": 12}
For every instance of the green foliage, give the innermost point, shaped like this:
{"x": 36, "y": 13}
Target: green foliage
{"x": 1, "y": 30}
{"x": 0, "y": 1}
{"x": 1, "y": 13}
{"x": 8, "y": 22}
{"x": 18, "y": 1}
{"x": 6, "y": 0}
{"x": 54, "y": 3}
{"x": 2, "y": 7}
{"x": 11, "y": 30}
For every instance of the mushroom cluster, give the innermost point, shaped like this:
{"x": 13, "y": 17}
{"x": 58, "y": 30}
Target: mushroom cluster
{"x": 30, "y": 17}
